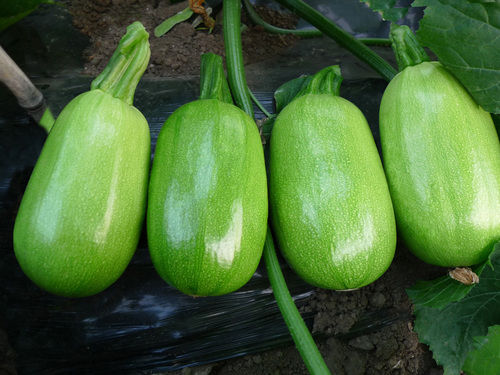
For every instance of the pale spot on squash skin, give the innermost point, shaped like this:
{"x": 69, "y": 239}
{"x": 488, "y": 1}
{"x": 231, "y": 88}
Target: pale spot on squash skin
{"x": 102, "y": 229}
{"x": 224, "y": 249}
{"x": 178, "y": 213}
{"x": 358, "y": 242}
{"x": 47, "y": 225}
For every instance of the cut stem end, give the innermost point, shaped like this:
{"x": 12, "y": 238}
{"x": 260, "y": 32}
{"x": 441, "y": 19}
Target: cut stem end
{"x": 327, "y": 81}
{"x": 127, "y": 65}
{"x": 406, "y": 47}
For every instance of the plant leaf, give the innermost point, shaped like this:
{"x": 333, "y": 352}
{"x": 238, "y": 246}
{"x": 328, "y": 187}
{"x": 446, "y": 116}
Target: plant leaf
{"x": 170, "y": 22}
{"x": 485, "y": 358}
{"x": 12, "y": 11}
{"x": 386, "y": 9}
{"x": 465, "y": 37}
{"x": 449, "y": 330}
{"x": 289, "y": 90}
{"x": 442, "y": 291}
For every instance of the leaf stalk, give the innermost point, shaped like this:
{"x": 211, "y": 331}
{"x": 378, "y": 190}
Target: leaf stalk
{"x": 342, "y": 37}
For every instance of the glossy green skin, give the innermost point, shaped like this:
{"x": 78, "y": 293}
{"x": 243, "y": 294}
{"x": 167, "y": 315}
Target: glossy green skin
{"x": 330, "y": 205}
{"x": 207, "y": 208}
{"x": 81, "y": 214}
{"x": 442, "y": 159}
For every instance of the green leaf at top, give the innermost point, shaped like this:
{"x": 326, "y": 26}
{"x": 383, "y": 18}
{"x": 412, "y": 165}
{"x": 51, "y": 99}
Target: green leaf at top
{"x": 465, "y": 36}
{"x": 485, "y": 359}
{"x": 289, "y": 90}
{"x": 170, "y": 22}
{"x": 12, "y": 11}
{"x": 386, "y": 9}
{"x": 449, "y": 331}
{"x": 442, "y": 291}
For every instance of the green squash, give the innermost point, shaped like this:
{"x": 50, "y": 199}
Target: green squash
{"x": 442, "y": 159}
{"x": 207, "y": 205}
{"x": 81, "y": 214}
{"x": 330, "y": 205}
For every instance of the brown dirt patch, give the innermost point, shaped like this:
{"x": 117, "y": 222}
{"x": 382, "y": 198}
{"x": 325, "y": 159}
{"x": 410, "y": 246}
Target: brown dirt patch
{"x": 178, "y": 52}
{"x": 7, "y": 356}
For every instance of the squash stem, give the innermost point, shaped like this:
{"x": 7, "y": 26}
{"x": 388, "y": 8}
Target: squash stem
{"x": 213, "y": 83}
{"x": 254, "y": 16}
{"x": 298, "y": 329}
{"x": 406, "y": 47}
{"x": 300, "y": 334}
{"x": 234, "y": 56}
{"x": 127, "y": 65}
{"x": 375, "y": 41}
{"x": 47, "y": 120}
{"x": 342, "y": 37}
{"x": 308, "y": 33}
{"x": 326, "y": 81}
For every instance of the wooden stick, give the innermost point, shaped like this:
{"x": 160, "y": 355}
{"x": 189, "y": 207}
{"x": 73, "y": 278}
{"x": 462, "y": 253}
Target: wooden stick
{"x": 28, "y": 96}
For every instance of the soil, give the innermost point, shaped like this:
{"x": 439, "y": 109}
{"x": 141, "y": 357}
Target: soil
{"x": 177, "y": 53}
{"x": 7, "y": 356}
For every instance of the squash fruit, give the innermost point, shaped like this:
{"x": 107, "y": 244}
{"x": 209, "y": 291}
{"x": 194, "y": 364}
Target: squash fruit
{"x": 81, "y": 214}
{"x": 442, "y": 158}
{"x": 207, "y": 210}
{"x": 330, "y": 204}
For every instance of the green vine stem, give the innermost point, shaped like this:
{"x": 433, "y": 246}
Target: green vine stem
{"x": 300, "y": 334}
{"x": 406, "y": 47}
{"x": 375, "y": 41}
{"x": 213, "y": 83}
{"x": 127, "y": 65}
{"x": 47, "y": 120}
{"x": 234, "y": 56}
{"x": 298, "y": 329}
{"x": 259, "y": 104}
{"x": 310, "y": 33}
{"x": 254, "y": 16}
{"x": 343, "y": 38}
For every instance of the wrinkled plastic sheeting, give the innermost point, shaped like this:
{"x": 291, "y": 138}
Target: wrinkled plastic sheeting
{"x": 140, "y": 323}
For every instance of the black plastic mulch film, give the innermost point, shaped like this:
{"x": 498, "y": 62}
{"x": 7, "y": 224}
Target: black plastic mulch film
{"x": 140, "y": 323}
